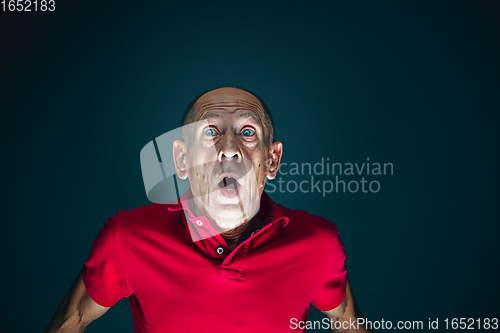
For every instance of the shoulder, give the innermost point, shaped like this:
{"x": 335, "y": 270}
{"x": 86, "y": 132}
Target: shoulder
{"x": 144, "y": 217}
{"x": 146, "y": 211}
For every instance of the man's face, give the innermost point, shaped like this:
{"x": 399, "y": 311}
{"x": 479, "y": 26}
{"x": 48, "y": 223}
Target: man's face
{"x": 228, "y": 157}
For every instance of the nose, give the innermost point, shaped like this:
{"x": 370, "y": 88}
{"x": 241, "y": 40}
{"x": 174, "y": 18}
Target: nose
{"x": 229, "y": 150}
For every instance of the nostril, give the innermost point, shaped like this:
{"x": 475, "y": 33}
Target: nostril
{"x": 229, "y": 156}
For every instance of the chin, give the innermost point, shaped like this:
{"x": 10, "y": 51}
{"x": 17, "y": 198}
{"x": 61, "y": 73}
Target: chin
{"x": 228, "y": 218}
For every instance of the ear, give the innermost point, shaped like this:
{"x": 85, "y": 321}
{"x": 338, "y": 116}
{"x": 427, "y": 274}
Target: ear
{"x": 180, "y": 157}
{"x": 274, "y": 159}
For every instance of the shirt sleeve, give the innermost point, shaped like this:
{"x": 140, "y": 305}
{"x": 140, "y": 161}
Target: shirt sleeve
{"x": 103, "y": 274}
{"x": 332, "y": 289}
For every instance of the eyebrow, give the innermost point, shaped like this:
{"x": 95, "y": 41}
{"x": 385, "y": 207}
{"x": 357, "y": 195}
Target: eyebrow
{"x": 209, "y": 115}
{"x": 249, "y": 115}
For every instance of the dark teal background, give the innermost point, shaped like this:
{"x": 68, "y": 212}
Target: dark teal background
{"x": 416, "y": 84}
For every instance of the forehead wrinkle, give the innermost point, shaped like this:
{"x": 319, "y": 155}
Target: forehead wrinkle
{"x": 213, "y": 104}
{"x": 206, "y": 110}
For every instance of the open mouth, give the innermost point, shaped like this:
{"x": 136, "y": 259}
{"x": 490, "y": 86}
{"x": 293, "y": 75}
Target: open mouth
{"x": 229, "y": 186}
{"x": 229, "y": 183}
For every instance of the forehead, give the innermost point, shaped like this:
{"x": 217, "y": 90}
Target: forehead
{"x": 228, "y": 100}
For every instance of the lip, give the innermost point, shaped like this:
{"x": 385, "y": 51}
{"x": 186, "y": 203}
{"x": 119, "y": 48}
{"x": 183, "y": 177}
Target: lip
{"x": 229, "y": 175}
{"x": 226, "y": 193}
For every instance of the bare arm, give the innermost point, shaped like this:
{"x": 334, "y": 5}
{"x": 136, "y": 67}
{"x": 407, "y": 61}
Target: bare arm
{"x": 346, "y": 313}
{"x": 76, "y": 310}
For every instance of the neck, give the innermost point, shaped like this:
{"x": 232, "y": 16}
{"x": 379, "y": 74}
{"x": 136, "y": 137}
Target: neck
{"x": 233, "y": 235}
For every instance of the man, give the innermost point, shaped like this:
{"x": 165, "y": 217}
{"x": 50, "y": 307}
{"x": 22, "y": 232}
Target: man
{"x": 225, "y": 257}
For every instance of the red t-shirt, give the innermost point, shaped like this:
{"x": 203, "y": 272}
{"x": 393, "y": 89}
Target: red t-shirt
{"x": 177, "y": 285}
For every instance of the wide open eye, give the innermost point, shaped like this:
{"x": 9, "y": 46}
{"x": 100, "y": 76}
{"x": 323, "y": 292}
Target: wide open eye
{"x": 210, "y": 132}
{"x": 248, "y": 132}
